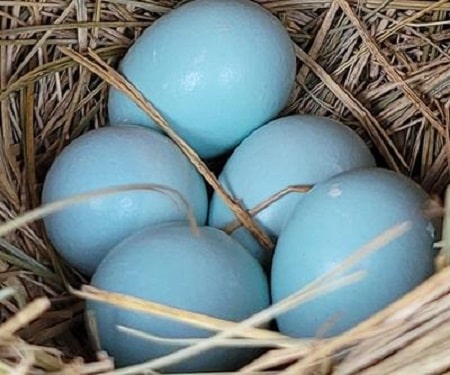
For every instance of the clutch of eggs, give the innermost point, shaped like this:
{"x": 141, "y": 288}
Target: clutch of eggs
{"x": 110, "y": 157}
{"x": 220, "y": 71}
{"x": 288, "y": 151}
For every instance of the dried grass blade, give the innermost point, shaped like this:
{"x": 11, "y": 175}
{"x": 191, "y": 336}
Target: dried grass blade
{"x": 68, "y": 26}
{"x": 230, "y": 228}
{"x": 30, "y": 152}
{"x": 39, "y": 44}
{"x": 305, "y": 294}
{"x": 32, "y": 311}
{"x": 390, "y": 70}
{"x": 319, "y": 40}
{"x": 47, "y": 209}
{"x": 149, "y": 307}
{"x": 232, "y": 342}
{"x": 371, "y": 125}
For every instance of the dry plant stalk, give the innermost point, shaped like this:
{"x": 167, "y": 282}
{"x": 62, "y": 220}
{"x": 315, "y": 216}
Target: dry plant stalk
{"x": 381, "y": 67}
{"x": 149, "y": 307}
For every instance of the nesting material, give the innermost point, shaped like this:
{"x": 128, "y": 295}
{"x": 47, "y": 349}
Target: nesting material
{"x": 382, "y": 68}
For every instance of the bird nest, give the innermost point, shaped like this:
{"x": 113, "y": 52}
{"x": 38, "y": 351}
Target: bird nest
{"x": 381, "y": 67}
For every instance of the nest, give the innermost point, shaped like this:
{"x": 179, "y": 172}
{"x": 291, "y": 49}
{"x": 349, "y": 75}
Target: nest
{"x": 381, "y": 67}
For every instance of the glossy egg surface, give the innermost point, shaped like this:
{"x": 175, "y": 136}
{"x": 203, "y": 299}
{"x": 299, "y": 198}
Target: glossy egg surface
{"x": 216, "y": 69}
{"x": 209, "y": 274}
{"x": 336, "y": 219}
{"x": 109, "y": 157}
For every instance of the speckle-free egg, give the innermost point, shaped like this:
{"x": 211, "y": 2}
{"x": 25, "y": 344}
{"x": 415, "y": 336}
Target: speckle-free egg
{"x": 292, "y": 150}
{"x": 210, "y": 274}
{"x": 105, "y": 158}
{"x": 333, "y": 221}
{"x": 216, "y": 69}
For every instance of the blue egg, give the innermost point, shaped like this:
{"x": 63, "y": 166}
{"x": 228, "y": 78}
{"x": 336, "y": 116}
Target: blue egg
{"x": 105, "y": 158}
{"x": 246, "y": 239}
{"x": 292, "y": 150}
{"x": 333, "y": 221}
{"x": 209, "y": 273}
{"x": 215, "y": 69}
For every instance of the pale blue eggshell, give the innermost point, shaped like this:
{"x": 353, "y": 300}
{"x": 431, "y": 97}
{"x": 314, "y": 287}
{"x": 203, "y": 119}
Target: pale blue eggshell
{"x": 292, "y": 150}
{"x": 210, "y": 274}
{"x": 216, "y": 69}
{"x": 246, "y": 239}
{"x": 333, "y": 221}
{"x": 105, "y": 158}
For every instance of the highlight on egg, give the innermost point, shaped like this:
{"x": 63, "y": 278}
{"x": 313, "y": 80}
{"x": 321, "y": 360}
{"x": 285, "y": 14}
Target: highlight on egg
{"x": 208, "y": 273}
{"x": 106, "y": 158}
{"x": 333, "y": 221}
{"x": 215, "y": 69}
{"x": 288, "y": 151}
